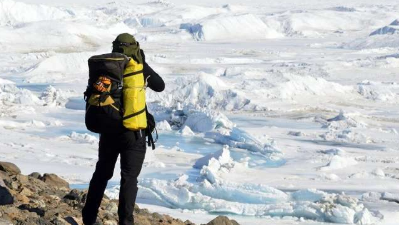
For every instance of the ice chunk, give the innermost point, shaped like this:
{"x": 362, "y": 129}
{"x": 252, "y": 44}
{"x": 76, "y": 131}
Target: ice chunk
{"x": 378, "y": 172}
{"x": 312, "y": 195}
{"x": 186, "y": 131}
{"x": 222, "y": 155}
{"x": 204, "y": 121}
{"x": 83, "y": 138}
{"x": 163, "y": 126}
{"x": 53, "y": 97}
{"x": 339, "y": 162}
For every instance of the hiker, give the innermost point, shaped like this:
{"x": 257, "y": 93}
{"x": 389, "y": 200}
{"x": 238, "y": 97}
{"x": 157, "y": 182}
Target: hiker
{"x": 129, "y": 144}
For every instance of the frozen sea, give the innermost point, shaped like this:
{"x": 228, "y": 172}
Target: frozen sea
{"x": 274, "y": 112}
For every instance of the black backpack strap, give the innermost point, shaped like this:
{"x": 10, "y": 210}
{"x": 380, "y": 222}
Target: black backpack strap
{"x": 151, "y": 141}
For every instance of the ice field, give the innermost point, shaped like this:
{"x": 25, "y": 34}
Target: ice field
{"x": 274, "y": 112}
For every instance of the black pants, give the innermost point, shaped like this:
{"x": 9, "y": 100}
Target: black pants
{"x": 131, "y": 145}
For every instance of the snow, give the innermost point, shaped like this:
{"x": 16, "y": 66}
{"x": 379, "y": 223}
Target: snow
{"x": 277, "y": 112}
{"x": 339, "y": 162}
{"x": 240, "y": 27}
{"x": 15, "y": 13}
{"x": 163, "y": 126}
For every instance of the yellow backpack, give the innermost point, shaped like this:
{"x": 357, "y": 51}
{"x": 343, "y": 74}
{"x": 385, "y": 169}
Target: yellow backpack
{"x": 134, "y": 116}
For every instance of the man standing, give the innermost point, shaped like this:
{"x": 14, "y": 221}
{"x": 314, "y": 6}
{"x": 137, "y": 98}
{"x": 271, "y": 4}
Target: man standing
{"x": 129, "y": 144}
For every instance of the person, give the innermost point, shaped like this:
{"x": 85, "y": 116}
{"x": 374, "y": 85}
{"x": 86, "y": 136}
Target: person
{"x": 130, "y": 145}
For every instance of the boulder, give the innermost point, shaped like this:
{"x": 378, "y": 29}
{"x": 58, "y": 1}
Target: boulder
{"x": 74, "y": 195}
{"x": 32, "y": 208}
{"x": 55, "y": 181}
{"x": 10, "y": 168}
{"x": 222, "y": 220}
{"x": 5, "y": 196}
{"x": 36, "y": 175}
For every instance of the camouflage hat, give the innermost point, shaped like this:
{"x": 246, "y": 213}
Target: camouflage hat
{"x": 126, "y": 44}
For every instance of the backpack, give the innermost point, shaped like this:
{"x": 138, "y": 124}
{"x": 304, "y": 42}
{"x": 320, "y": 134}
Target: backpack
{"x": 103, "y": 95}
{"x": 115, "y": 96}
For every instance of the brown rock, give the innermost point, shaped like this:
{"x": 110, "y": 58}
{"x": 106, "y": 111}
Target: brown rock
{"x": 14, "y": 185}
{"x": 21, "y": 199}
{"x": 6, "y": 178}
{"x": 112, "y": 208}
{"x": 22, "y": 179}
{"x": 141, "y": 220}
{"x": 34, "y": 220}
{"x": 36, "y": 185}
{"x": 26, "y": 192}
{"x": 5, "y": 222}
{"x": 10, "y": 168}
{"x": 12, "y": 213}
{"x": 222, "y": 220}
{"x": 55, "y": 181}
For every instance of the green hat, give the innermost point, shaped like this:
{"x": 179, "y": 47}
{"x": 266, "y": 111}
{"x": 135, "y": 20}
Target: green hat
{"x": 126, "y": 44}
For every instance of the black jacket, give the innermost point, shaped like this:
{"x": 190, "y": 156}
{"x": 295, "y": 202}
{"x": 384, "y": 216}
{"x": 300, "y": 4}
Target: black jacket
{"x": 155, "y": 82}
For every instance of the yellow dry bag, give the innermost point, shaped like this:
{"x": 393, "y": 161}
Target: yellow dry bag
{"x": 134, "y": 117}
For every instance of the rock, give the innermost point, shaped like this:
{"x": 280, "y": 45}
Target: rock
{"x": 59, "y": 221}
{"x": 12, "y": 213}
{"x": 188, "y": 222}
{"x": 6, "y": 178}
{"x": 55, "y": 181}
{"x": 24, "y": 180}
{"x": 2, "y": 184}
{"x": 26, "y": 192}
{"x": 112, "y": 207}
{"x": 14, "y": 185}
{"x": 5, "y": 222}
{"x": 31, "y": 208}
{"x": 36, "y": 175}
{"x": 34, "y": 220}
{"x": 222, "y": 220}
{"x": 57, "y": 211}
{"x": 21, "y": 199}
{"x": 10, "y": 168}
{"x": 73, "y": 195}
{"x": 141, "y": 220}
{"x": 5, "y": 196}
{"x": 74, "y": 220}
{"x": 110, "y": 222}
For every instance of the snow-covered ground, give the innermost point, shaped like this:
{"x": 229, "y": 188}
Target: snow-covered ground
{"x": 274, "y": 112}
